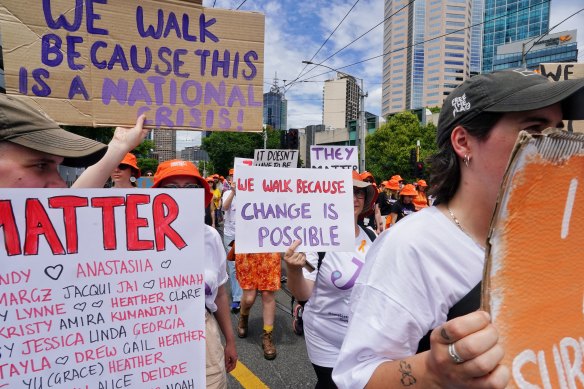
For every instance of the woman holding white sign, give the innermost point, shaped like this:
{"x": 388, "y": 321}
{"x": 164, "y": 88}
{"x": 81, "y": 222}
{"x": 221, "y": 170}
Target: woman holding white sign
{"x": 328, "y": 287}
{"x": 219, "y": 360}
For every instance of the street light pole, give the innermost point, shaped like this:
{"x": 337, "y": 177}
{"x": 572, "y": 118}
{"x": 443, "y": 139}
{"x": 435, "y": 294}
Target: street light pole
{"x": 360, "y": 132}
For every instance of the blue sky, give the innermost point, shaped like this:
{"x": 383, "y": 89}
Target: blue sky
{"x": 295, "y": 30}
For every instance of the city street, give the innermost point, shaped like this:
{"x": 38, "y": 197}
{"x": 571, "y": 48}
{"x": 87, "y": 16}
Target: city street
{"x": 291, "y": 368}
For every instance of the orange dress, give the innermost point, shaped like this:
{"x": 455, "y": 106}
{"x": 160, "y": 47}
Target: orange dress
{"x": 260, "y": 271}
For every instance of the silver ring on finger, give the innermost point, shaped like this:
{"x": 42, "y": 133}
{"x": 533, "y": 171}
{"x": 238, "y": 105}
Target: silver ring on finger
{"x": 454, "y": 355}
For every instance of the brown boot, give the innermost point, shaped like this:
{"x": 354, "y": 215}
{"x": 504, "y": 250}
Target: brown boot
{"x": 242, "y": 325}
{"x": 268, "y": 346}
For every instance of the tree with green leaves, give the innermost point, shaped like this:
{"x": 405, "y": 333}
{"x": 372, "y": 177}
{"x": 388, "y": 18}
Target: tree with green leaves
{"x": 388, "y": 148}
{"x": 223, "y": 146}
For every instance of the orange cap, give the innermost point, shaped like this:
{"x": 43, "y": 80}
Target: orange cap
{"x": 130, "y": 160}
{"x": 393, "y": 184}
{"x": 408, "y": 190}
{"x": 177, "y": 167}
{"x": 422, "y": 183}
{"x": 397, "y": 177}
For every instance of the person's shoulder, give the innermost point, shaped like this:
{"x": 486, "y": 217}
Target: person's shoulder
{"x": 211, "y": 234}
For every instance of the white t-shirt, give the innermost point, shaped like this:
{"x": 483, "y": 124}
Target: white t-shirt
{"x": 326, "y": 314}
{"x": 414, "y": 273}
{"x": 229, "y": 217}
{"x": 215, "y": 273}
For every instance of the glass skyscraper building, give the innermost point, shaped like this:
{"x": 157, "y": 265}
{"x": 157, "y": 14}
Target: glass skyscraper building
{"x": 276, "y": 108}
{"x": 508, "y": 21}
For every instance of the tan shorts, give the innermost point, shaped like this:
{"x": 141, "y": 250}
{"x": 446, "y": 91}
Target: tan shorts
{"x": 215, "y": 355}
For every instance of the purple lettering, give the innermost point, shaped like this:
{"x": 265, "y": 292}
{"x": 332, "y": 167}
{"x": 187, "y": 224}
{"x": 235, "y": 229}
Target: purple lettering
{"x": 77, "y": 87}
{"x": 61, "y": 22}
{"x": 172, "y": 24}
{"x": 184, "y": 93}
{"x": 246, "y": 58}
{"x": 149, "y": 32}
{"x": 196, "y": 115}
{"x": 134, "y": 59}
{"x": 217, "y": 63}
{"x": 42, "y": 89}
{"x": 157, "y": 82}
{"x": 139, "y": 92}
{"x": 51, "y": 45}
{"x": 118, "y": 56}
{"x": 224, "y": 121}
{"x": 119, "y": 91}
{"x": 72, "y": 53}
{"x": 93, "y": 54}
{"x": 250, "y": 98}
{"x": 161, "y": 52}
{"x": 212, "y": 93}
{"x": 203, "y": 54}
{"x": 178, "y": 63}
{"x": 236, "y": 95}
{"x": 203, "y": 28}
{"x": 263, "y": 233}
{"x": 92, "y": 16}
{"x": 163, "y": 117}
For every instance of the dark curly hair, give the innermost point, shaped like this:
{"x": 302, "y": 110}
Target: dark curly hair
{"x": 445, "y": 167}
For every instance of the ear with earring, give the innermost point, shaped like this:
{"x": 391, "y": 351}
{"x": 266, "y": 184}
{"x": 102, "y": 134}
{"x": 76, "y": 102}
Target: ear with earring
{"x": 466, "y": 159}
{"x": 133, "y": 179}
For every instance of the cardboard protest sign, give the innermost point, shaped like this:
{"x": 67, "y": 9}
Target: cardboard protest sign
{"x": 276, "y": 158}
{"x": 276, "y": 206}
{"x": 99, "y": 63}
{"x": 334, "y": 157}
{"x": 101, "y": 289}
{"x": 533, "y": 277}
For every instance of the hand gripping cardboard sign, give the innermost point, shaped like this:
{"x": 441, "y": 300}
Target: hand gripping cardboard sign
{"x": 535, "y": 262}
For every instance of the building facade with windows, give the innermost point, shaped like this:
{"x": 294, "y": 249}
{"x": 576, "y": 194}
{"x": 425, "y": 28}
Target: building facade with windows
{"x": 164, "y": 144}
{"x": 429, "y": 49}
{"x": 550, "y": 48}
{"x": 276, "y": 107}
{"x": 340, "y": 102}
{"x": 507, "y": 21}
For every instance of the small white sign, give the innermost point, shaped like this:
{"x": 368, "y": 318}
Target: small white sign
{"x": 334, "y": 157}
{"x": 276, "y": 206}
{"x": 276, "y": 158}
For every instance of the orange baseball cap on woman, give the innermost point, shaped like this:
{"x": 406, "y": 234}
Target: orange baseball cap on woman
{"x": 177, "y": 167}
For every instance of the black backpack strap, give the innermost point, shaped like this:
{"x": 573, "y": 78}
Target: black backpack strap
{"x": 321, "y": 255}
{"x": 469, "y": 303}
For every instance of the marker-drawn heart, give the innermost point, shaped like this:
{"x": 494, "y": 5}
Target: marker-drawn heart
{"x": 165, "y": 264}
{"x": 149, "y": 284}
{"x": 97, "y": 304}
{"x": 54, "y": 272}
{"x": 80, "y": 306}
{"x": 62, "y": 360}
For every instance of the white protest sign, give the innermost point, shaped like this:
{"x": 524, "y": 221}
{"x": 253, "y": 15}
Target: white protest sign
{"x": 334, "y": 157}
{"x": 101, "y": 288}
{"x": 276, "y": 158}
{"x": 276, "y": 206}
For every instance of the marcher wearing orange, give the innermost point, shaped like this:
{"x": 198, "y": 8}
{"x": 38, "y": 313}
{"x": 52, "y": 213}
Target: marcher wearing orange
{"x": 260, "y": 271}
{"x": 404, "y": 206}
{"x": 372, "y": 218}
{"x": 126, "y": 173}
{"x": 421, "y": 200}
{"x": 391, "y": 197}
{"x": 219, "y": 360}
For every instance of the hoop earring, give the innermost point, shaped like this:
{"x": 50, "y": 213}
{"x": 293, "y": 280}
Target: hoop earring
{"x": 466, "y": 159}
{"x": 133, "y": 179}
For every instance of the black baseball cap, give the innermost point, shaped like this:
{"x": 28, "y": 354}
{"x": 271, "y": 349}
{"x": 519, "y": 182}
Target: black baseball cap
{"x": 24, "y": 125}
{"x": 509, "y": 91}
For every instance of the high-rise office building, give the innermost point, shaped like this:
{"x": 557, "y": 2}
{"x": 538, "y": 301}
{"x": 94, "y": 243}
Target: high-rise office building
{"x": 276, "y": 107}
{"x": 508, "y": 21}
{"x": 165, "y": 144}
{"x": 550, "y": 48}
{"x": 427, "y": 51}
{"x": 340, "y": 101}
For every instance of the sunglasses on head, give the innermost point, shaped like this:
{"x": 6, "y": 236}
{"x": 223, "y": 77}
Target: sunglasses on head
{"x": 174, "y": 186}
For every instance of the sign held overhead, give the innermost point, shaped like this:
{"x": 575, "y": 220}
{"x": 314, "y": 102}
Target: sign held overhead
{"x": 104, "y": 63}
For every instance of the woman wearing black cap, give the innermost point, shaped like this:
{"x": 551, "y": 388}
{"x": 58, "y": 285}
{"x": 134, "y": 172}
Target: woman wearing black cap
{"x": 412, "y": 281}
